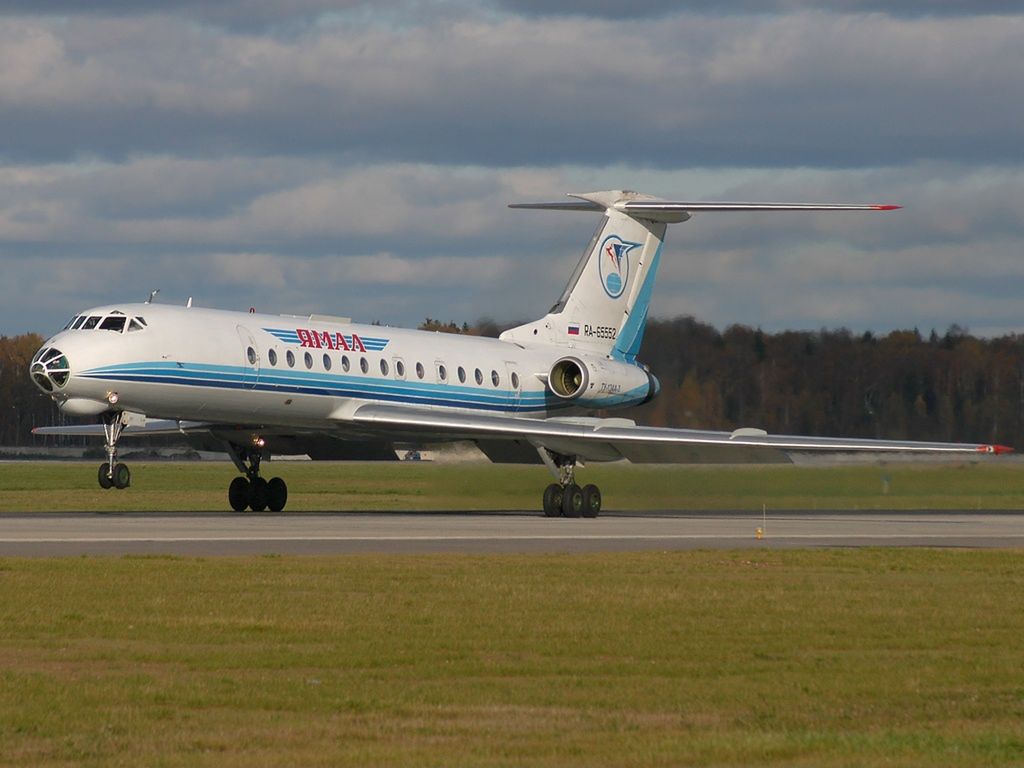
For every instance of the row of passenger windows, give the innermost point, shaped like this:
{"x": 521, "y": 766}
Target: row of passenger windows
{"x": 115, "y": 321}
{"x": 385, "y": 369}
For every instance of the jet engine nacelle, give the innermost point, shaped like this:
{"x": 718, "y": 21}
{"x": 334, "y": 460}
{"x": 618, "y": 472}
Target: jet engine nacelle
{"x": 599, "y": 383}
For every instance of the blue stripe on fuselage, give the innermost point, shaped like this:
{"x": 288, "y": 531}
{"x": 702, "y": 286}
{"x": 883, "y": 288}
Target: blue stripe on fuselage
{"x": 338, "y": 385}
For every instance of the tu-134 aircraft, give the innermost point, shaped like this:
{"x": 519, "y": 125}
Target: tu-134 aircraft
{"x": 253, "y": 384}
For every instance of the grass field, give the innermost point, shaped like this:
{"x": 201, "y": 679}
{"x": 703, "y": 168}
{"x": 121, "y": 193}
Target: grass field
{"x": 54, "y": 486}
{"x": 818, "y": 658}
{"x": 823, "y": 658}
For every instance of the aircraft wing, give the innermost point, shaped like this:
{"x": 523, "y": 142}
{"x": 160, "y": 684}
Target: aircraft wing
{"x": 516, "y": 439}
{"x": 610, "y": 439}
{"x": 148, "y": 428}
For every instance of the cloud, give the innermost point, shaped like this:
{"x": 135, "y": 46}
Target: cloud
{"x": 357, "y": 158}
{"x": 613, "y": 9}
{"x": 804, "y": 88}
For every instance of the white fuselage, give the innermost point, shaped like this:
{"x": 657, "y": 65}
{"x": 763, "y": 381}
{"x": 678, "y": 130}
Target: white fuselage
{"x": 231, "y": 367}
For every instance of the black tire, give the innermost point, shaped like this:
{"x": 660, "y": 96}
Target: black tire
{"x": 104, "y": 477}
{"x": 591, "y": 501}
{"x": 258, "y": 494}
{"x": 238, "y": 494}
{"x": 572, "y": 501}
{"x": 122, "y": 476}
{"x": 553, "y": 500}
{"x": 277, "y": 494}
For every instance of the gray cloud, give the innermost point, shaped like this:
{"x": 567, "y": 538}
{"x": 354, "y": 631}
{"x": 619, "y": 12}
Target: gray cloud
{"x": 357, "y": 158}
{"x": 613, "y": 9}
{"x": 398, "y": 242}
{"x": 800, "y": 89}
{"x": 246, "y": 15}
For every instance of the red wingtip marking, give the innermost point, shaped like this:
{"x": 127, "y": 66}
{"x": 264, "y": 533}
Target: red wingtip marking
{"x": 996, "y": 449}
{"x": 887, "y": 207}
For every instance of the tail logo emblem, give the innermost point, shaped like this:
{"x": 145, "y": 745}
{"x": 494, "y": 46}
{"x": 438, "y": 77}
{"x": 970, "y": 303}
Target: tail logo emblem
{"x": 614, "y": 264}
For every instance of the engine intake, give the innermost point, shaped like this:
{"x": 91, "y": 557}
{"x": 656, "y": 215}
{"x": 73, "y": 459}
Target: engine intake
{"x": 594, "y": 382}
{"x": 568, "y": 378}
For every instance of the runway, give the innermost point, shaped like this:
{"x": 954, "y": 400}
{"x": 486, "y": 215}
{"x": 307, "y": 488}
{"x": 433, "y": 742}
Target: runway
{"x": 212, "y": 534}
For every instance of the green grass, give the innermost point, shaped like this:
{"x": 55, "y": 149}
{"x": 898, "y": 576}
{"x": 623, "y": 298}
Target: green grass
{"x": 816, "y": 658}
{"x": 165, "y": 486}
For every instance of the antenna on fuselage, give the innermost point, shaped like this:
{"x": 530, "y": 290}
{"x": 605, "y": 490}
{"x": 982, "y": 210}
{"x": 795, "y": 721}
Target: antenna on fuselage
{"x": 152, "y": 295}
{"x": 188, "y": 304}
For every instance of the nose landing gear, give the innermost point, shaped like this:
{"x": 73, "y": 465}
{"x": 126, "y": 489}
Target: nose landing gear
{"x": 565, "y": 498}
{"x": 252, "y": 491}
{"x": 113, "y": 474}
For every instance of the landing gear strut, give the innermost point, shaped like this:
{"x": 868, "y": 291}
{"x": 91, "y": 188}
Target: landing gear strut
{"x": 564, "y": 497}
{"x": 252, "y": 491}
{"x": 111, "y": 473}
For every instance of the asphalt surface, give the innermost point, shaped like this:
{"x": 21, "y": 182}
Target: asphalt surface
{"x": 206, "y": 534}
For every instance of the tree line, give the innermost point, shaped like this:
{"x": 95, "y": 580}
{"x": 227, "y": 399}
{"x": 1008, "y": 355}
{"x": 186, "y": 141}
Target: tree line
{"x": 900, "y": 385}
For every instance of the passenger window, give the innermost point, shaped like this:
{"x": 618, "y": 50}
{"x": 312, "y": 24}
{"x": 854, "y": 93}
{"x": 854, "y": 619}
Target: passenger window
{"x": 91, "y": 323}
{"x": 290, "y": 358}
{"x": 442, "y": 372}
{"x": 478, "y": 376}
{"x": 308, "y": 360}
{"x": 400, "y": 369}
{"x": 384, "y": 367}
{"x": 363, "y": 365}
{"x": 250, "y": 353}
{"x": 462, "y": 375}
{"x": 515, "y": 380}
{"x": 344, "y": 363}
{"x": 272, "y": 357}
{"x": 495, "y": 380}
{"x": 113, "y": 323}
{"x": 419, "y": 371}
{"x": 327, "y": 362}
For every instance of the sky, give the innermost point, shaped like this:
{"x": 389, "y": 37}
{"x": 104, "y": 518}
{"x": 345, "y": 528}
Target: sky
{"x": 357, "y": 158}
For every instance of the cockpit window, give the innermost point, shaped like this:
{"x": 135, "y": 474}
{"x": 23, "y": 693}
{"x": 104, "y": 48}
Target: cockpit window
{"x": 134, "y": 325}
{"x": 70, "y": 322}
{"x": 91, "y": 323}
{"x": 113, "y": 323}
{"x": 142, "y": 321}
{"x": 77, "y": 322}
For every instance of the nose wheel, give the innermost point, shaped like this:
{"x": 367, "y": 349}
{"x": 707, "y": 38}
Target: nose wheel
{"x": 564, "y": 498}
{"x": 112, "y": 473}
{"x": 252, "y": 491}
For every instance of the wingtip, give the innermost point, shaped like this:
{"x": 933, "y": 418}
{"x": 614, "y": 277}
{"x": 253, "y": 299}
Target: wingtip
{"x": 886, "y": 207}
{"x": 996, "y": 449}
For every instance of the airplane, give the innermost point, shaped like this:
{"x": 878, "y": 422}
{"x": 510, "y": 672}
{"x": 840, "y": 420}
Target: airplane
{"x": 254, "y": 384}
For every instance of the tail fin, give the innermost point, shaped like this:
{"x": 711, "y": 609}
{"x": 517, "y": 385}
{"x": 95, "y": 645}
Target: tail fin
{"x": 603, "y": 308}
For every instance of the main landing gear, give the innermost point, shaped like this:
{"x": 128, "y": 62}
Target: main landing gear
{"x": 565, "y": 498}
{"x": 113, "y": 474}
{"x": 252, "y": 491}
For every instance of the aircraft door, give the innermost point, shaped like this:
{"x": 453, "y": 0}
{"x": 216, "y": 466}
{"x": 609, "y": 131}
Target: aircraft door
{"x": 250, "y": 357}
{"x": 515, "y": 383}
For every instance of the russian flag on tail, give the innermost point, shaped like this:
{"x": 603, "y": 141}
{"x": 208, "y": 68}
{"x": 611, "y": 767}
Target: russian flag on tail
{"x": 574, "y": 329}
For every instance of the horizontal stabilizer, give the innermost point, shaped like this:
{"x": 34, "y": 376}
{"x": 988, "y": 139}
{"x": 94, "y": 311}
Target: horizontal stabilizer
{"x": 650, "y": 206}
{"x": 561, "y": 206}
{"x": 674, "y": 211}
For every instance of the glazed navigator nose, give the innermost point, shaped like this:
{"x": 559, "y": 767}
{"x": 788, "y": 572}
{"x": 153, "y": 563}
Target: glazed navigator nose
{"x": 50, "y": 369}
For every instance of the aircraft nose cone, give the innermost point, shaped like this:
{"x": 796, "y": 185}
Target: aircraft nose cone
{"x": 50, "y": 369}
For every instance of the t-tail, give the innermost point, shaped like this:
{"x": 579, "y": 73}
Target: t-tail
{"x": 603, "y": 309}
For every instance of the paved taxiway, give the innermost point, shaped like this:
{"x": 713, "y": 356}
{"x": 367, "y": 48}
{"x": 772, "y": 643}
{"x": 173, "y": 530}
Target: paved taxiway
{"x": 484, "y": 532}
